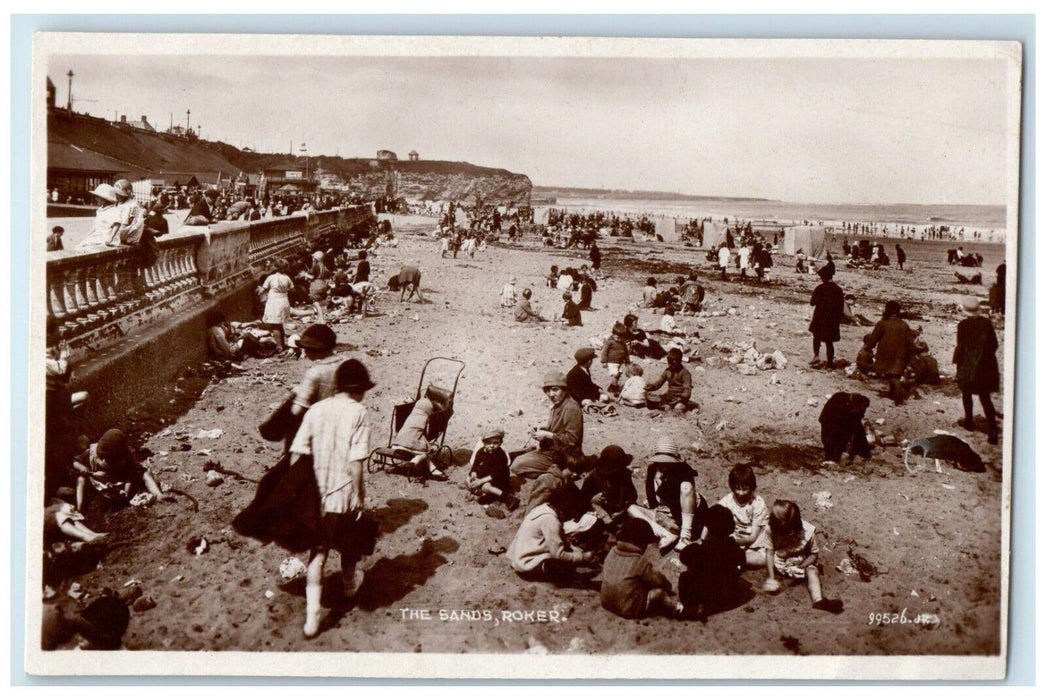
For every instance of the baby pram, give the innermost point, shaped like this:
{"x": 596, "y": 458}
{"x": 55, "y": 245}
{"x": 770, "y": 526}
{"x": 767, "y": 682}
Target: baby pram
{"x": 399, "y": 459}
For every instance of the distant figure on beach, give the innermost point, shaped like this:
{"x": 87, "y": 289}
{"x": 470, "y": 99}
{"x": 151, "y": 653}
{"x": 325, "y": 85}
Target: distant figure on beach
{"x": 508, "y": 293}
{"x": 901, "y": 257}
{"x": 595, "y": 255}
{"x": 828, "y": 303}
{"x": 724, "y": 259}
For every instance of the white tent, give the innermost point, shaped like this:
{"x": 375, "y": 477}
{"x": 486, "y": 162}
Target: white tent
{"x": 666, "y": 228}
{"x": 812, "y": 240}
{"x": 541, "y": 216}
{"x": 715, "y": 234}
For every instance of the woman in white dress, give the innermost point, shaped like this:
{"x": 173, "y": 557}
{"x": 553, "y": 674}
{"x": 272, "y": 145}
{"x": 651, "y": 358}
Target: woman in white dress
{"x": 106, "y": 219}
{"x": 276, "y": 289}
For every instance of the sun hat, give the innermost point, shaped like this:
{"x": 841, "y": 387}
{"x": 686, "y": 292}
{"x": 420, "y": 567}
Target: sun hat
{"x": 554, "y": 379}
{"x": 584, "y": 354}
{"x": 113, "y": 443}
{"x": 970, "y": 303}
{"x": 352, "y": 375}
{"x": 318, "y": 255}
{"x": 612, "y": 458}
{"x": 492, "y": 433}
{"x": 123, "y": 188}
{"x": 318, "y": 337}
{"x": 666, "y": 452}
{"x": 105, "y": 191}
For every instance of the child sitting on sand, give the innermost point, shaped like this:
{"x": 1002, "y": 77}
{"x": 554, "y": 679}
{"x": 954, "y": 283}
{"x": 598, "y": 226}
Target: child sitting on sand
{"x": 668, "y": 322}
{"x": 107, "y": 468}
{"x": 632, "y": 588}
{"x": 571, "y": 313}
{"x": 539, "y": 551}
{"x": 553, "y": 277}
{"x": 488, "y": 469}
{"x": 680, "y": 384}
{"x": 711, "y": 582}
{"x": 751, "y": 517}
{"x": 508, "y": 293}
{"x": 793, "y": 554}
{"x": 523, "y": 311}
{"x": 633, "y": 393}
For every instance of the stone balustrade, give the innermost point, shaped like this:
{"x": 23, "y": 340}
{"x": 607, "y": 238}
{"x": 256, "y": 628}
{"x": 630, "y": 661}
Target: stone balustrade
{"x": 100, "y": 295}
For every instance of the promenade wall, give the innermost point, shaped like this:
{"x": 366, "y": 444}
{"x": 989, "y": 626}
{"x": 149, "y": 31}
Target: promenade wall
{"x": 132, "y": 330}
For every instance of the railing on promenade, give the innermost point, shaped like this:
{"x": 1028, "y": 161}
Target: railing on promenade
{"x": 100, "y": 295}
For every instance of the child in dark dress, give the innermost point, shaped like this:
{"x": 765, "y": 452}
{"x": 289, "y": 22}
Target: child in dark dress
{"x": 711, "y": 581}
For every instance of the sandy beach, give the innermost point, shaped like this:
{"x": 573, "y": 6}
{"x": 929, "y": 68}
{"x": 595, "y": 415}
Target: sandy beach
{"x": 436, "y": 582}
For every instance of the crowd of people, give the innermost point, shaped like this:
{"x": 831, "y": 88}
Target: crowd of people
{"x": 582, "y": 516}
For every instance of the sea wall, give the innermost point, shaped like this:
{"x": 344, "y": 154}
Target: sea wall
{"x": 132, "y": 329}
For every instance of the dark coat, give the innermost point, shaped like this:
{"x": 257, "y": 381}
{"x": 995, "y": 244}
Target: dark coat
{"x": 893, "y": 342}
{"x": 713, "y": 575}
{"x": 580, "y": 385}
{"x": 842, "y": 429}
{"x": 828, "y": 304}
{"x": 977, "y": 370}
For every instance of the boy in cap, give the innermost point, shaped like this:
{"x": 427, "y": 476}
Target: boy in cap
{"x": 488, "y": 469}
{"x": 579, "y": 379}
{"x": 609, "y": 488}
{"x": 615, "y": 355}
{"x": 336, "y": 434}
{"x": 562, "y": 434}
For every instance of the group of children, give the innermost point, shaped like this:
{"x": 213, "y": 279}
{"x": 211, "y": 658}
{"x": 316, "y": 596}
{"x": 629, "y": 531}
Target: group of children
{"x": 599, "y": 531}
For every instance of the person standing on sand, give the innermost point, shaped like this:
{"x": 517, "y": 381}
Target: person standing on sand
{"x": 595, "y": 255}
{"x": 892, "y": 340}
{"x": 336, "y": 435}
{"x": 724, "y": 259}
{"x": 977, "y": 370}
{"x": 829, "y": 304}
{"x": 901, "y": 257}
{"x": 562, "y": 434}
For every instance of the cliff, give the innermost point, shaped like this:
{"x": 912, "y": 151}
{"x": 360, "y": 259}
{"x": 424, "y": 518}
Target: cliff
{"x": 145, "y": 153}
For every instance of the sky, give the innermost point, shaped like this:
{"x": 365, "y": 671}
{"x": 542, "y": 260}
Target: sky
{"x": 928, "y": 130}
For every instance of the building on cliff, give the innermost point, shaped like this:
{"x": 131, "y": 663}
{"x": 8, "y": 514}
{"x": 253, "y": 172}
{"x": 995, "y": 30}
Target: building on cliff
{"x": 413, "y": 156}
{"x": 386, "y": 155}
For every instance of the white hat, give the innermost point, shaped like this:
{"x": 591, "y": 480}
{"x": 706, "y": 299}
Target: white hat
{"x": 105, "y": 191}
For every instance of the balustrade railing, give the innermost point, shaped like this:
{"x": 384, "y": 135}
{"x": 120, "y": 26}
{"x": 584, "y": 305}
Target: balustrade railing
{"x": 89, "y": 290}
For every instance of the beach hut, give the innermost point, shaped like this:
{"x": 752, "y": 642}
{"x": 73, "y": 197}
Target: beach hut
{"x": 541, "y": 216}
{"x": 812, "y": 240}
{"x": 715, "y": 234}
{"x": 665, "y": 228}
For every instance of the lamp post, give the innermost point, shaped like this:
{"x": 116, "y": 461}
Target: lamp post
{"x": 69, "y": 100}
